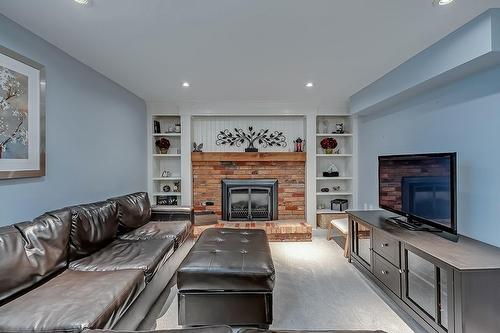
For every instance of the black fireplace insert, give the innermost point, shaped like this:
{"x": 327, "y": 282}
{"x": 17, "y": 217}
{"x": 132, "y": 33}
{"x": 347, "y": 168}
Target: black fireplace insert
{"x": 249, "y": 199}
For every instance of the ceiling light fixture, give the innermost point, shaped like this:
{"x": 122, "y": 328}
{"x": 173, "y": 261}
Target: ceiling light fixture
{"x": 186, "y": 84}
{"x": 309, "y": 85}
{"x": 83, "y": 2}
{"x": 442, "y": 2}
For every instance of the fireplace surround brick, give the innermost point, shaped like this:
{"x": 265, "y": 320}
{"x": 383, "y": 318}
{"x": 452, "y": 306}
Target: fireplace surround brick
{"x": 207, "y": 176}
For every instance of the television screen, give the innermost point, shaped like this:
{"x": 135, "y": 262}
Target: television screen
{"x": 420, "y": 187}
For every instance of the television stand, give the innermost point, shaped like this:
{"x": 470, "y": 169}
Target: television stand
{"x": 458, "y": 282}
{"x": 416, "y": 226}
{"x": 404, "y": 223}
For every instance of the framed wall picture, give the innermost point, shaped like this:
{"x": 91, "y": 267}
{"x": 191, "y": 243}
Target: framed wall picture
{"x": 22, "y": 116}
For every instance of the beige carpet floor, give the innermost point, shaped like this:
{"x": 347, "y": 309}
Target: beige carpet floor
{"x": 316, "y": 288}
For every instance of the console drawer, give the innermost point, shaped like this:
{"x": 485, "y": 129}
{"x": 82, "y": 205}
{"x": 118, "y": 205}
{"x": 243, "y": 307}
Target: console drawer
{"x": 386, "y": 247}
{"x": 387, "y": 273}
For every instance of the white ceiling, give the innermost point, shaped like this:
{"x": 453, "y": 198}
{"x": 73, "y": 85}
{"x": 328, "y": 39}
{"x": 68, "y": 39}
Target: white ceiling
{"x": 243, "y": 50}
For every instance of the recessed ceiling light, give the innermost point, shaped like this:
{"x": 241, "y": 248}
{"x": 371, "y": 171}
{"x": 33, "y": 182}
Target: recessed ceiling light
{"x": 309, "y": 84}
{"x": 83, "y": 2}
{"x": 186, "y": 84}
{"x": 443, "y": 2}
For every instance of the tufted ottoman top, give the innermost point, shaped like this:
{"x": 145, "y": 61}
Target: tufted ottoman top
{"x": 228, "y": 260}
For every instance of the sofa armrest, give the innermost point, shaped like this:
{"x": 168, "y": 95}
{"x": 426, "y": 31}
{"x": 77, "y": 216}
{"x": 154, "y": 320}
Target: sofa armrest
{"x": 172, "y": 213}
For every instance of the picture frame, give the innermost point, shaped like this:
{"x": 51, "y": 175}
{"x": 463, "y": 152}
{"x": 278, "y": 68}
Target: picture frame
{"x": 22, "y": 116}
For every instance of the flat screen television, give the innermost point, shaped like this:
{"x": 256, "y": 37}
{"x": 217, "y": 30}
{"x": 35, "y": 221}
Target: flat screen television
{"x": 421, "y": 188}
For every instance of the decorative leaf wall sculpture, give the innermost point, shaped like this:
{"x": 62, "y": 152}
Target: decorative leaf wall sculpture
{"x": 265, "y": 138}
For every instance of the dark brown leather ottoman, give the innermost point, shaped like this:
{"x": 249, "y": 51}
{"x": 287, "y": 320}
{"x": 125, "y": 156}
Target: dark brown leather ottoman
{"x": 227, "y": 279}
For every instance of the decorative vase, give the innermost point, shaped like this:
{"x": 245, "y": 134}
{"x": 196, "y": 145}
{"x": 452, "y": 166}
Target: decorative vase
{"x": 162, "y": 144}
{"x": 328, "y": 151}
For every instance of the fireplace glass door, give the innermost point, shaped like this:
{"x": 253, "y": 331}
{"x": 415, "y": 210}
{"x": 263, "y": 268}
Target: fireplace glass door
{"x": 260, "y": 203}
{"x": 249, "y": 199}
{"x": 238, "y": 203}
{"x": 249, "y": 203}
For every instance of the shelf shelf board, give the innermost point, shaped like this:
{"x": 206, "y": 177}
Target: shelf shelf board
{"x": 158, "y": 194}
{"x": 333, "y": 193}
{"x": 329, "y": 211}
{"x": 242, "y": 156}
{"x": 334, "y": 155}
{"x": 166, "y": 178}
{"x": 166, "y": 134}
{"x": 333, "y": 178}
{"x": 160, "y": 206}
{"x": 333, "y": 134}
{"x": 166, "y": 155}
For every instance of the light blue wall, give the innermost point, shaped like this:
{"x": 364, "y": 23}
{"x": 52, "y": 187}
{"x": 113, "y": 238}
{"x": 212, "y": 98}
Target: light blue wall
{"x": 471, "y": 48}
{"x": 462, "y": 117}
{"x": 96, "y": 135}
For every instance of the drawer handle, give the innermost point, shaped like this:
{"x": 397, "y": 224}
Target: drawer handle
{"x": 384, "y": 244}
{"x": 384, "y": 272}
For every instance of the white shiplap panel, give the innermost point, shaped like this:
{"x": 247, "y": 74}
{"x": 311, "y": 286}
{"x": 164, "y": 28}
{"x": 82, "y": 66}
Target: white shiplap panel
{"x": 205, "y": 129}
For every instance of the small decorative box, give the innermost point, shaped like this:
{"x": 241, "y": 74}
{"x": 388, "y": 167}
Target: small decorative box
{"x": 339, "y": 205}
{"x": 330, "y": 174}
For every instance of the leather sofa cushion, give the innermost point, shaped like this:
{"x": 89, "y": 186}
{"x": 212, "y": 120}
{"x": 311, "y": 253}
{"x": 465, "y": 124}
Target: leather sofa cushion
{"x": 33, "y": 251}
{"x": 134, "y": 210}
{"x": 16, "y": 271}
{"x": 228, "y": 260}
{"x": 227, "y": 329}
{"x": 72, "y": 302}
{"x": 179, "y": 231}
{"x": 147, "y": 256}
{"x": 172, "y": 213}
{"x": 93, "y": 227}
{"x": 205, "y": 329}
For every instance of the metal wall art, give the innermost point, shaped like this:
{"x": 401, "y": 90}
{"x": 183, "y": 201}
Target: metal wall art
{"x": 263, "y": 137}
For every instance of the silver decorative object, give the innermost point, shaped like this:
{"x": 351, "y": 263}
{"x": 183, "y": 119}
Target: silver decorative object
{"x": 197, "y": 148}
{"x": 339, "y": 128}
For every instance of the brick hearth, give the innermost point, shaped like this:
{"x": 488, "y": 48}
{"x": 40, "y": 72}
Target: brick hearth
{"x": 207, "y": 176}
{"x": 277, "y": 231}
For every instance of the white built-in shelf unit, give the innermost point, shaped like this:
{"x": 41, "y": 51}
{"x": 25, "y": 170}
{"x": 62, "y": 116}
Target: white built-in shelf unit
{"x": 342, "y": 159}
{"x": 165, "y": 168}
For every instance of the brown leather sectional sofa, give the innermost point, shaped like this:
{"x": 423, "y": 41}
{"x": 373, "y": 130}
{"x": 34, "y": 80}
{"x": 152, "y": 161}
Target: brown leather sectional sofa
{"x": 227, "y": 329}
{"x": 100, "y": 265}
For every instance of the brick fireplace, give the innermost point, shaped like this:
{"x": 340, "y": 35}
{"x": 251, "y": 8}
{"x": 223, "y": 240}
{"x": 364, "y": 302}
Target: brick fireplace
{"x": 209, "y": 169}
